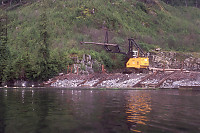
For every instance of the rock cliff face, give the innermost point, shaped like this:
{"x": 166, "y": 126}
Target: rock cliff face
{"x": 174, "y": 60}
{"x": 86, "y": 65}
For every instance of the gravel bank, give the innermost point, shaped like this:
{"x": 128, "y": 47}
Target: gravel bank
{"x": 119, "y": 80}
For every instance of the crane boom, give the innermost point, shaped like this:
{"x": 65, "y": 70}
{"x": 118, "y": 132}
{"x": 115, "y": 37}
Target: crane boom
{"x": 137, "y": 60}
{"x": 105, "y": 44}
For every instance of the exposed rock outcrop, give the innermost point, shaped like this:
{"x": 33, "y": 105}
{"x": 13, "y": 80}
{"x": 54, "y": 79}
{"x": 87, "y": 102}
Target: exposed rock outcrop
{"x": 174, "y": 60}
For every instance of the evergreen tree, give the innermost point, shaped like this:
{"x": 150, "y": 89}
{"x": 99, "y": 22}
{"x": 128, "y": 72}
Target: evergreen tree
{"x": 4, "y": 51}
{"x": 44, "y": 45}
{"x": 43, "y": 52}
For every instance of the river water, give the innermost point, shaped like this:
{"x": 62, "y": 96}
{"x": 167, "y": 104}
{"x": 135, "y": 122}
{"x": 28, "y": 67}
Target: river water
{"x": 99, "y": 111}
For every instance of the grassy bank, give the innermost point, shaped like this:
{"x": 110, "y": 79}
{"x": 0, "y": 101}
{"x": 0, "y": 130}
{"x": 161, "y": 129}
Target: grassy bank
{"x": 37, "y": 53}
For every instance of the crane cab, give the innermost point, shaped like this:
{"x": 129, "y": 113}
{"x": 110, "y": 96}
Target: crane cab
{"x": 135, "y": 54}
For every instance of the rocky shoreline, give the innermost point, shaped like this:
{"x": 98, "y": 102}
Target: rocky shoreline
{"x": 157, "y": 79}
{"x": 185, "y": 71}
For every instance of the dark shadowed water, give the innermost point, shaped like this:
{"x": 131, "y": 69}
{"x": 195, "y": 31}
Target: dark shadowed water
{"x": 99, "y": 111}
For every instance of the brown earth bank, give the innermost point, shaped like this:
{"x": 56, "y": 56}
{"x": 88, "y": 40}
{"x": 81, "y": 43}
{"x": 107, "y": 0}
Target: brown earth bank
{"x": 156, "y": 79}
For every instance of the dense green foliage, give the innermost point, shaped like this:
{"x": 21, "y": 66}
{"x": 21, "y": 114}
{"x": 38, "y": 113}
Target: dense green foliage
{"x": 4, "y": 51}
{"x": 186, "y": 3}
{"x": 43, "y": 35}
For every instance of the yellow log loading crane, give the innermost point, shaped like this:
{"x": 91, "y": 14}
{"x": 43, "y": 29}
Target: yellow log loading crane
{"x": 137, "y": 60}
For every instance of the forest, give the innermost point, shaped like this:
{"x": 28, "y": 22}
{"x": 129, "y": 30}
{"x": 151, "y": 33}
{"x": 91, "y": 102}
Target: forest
{"x": 38, "y": 38}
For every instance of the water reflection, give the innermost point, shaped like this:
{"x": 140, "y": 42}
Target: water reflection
{"x": 6, "y": 92}
{"x": 22, "y": 96}
{"x": 100, "y": 111}
{"x": 32, "y": 92}
{"x": 138, "y": 107}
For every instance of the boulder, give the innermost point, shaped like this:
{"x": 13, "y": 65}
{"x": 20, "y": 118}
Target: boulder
{"x": 198, "y": 61}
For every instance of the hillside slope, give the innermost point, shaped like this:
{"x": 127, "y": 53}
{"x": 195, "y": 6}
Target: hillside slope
{"x": 43, "y": 35}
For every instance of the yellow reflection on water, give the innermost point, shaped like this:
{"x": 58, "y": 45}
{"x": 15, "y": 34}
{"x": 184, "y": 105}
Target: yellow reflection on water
{"x": 138, "y": 107}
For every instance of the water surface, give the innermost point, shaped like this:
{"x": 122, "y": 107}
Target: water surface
{"x": 99, "y": 111}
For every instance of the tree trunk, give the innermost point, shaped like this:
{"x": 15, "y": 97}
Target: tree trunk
{"x": 2, "y": 3}
{"x": 196, "y": 4}
{"x": 186, "y": 3}
{"x": 10, "y": 2}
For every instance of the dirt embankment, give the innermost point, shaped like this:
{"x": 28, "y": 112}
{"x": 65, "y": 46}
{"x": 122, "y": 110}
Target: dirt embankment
{"x": 152, "y": 80}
